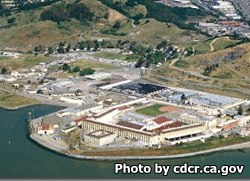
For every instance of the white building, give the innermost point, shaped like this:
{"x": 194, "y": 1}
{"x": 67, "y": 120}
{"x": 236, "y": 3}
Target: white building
{"x": 99, "y": 76}
{"x": 46, "y": 129}
{"x": 71, "y": 101}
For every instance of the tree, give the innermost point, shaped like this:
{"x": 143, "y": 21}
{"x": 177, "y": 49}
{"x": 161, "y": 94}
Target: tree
{"x": 39, "y": 48}
{"x": 87, "y": 71}
{"x": 97, "y": 45}
{"x": 68, "y": 48}
{"x": 183, "y": 98}
{"x": 117, "y": 25}
{"x": 240, "y": 110}
{"x": 61, "y": 48}
{"x": 50, "y": 50}
{"x": 65, "y": 67}
{"x": 221, "y": 137}
{"x": 11, "y": 20}
{"x": 76, "y": 69}
{"x": 4, "y": 70}
{"x": 81, "y": 45}
{"x": 39, "y": 91}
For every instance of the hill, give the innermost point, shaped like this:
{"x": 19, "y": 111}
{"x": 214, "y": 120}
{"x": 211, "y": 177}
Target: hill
{"x": 225, "y": 71}
{"x": 160, "y": 12}
{"x": 69, "y": 20}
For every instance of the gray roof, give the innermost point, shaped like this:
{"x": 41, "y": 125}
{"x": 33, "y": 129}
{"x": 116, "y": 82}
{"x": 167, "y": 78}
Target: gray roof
{"x": 51, "y": 119}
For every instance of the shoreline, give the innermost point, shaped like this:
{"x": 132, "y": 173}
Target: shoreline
{"x": 32, "y": 104}
{"x": 240, "y": 146}
{"x": 19, "y": 107}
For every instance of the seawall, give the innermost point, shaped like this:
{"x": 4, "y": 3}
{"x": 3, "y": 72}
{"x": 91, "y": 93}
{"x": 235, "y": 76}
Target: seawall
{"x": 113, "y": 158}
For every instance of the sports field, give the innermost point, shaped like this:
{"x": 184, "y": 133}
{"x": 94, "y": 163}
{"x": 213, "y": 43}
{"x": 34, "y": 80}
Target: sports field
{"x": 157, "y": 109}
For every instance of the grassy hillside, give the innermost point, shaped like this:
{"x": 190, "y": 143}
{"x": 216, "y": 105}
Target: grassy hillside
{"x": 227, "y": 71}
{"x": 50, "y": 24}
{"x": 157, "y": 11}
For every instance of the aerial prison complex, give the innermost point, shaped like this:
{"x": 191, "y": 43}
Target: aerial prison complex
{"x": 102, "y": 126}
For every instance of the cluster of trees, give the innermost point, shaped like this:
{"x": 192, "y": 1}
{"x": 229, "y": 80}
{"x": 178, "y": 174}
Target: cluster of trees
{"x": 208, "y": 70}
{"x": 164, "y": 51}
{"x": 146, "y": 55}
{"x": 77, "y": 69}
{"x": 95, "y": 45}
{"x": 62, "y": 12}
{"x": 130, "y": 8}
{"x": 113, "y": 30}
{"x": 158, "y": 11}
{"x": 64, "y": 47}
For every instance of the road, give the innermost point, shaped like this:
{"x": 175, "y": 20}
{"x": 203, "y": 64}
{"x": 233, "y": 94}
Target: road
{"x": 212, "y": 43}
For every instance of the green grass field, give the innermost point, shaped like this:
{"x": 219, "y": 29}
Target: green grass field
{"x": 151, "y": 110}
{"x": 224, "y": 42}
{"x": 181, "y": 64}
{"x": 94, "y": 65}
{"x": 220, "y": 44}
{"x": 203, "y": 47}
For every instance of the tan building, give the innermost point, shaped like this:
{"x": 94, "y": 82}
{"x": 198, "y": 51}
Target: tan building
{"x": 100, "y": 138}
{"x": 183, "y": 131}
{"x": 150, "y": 137}
{"x": 210, "y": 122}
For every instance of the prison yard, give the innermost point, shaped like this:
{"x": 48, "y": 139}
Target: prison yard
{"x": 157, "y": 109}
{"x": 153, "y": 110}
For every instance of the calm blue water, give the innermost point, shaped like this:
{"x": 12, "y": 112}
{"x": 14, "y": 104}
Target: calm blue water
{"x": 24, "y": 159}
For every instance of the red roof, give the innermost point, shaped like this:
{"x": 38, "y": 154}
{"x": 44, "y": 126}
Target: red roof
{"x": 84, "y": 118}
{"x": 122, "y": 108}
{"x": 105, "y": 113}
{"x": 129, "y": 125}
{"x": 116, "y": 126}
{"x": 47, "y": 127}
{"x": 169, "y": 126}
{"x": 161, "y": 120}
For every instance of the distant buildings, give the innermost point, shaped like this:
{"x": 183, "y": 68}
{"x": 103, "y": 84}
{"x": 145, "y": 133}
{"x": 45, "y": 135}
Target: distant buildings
{"x": 15, "y": 3}
{"x": 227, "y": 8}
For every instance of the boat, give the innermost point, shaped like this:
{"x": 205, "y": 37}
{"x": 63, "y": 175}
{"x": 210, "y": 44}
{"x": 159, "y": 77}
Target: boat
{"x": 9, "y": 142}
